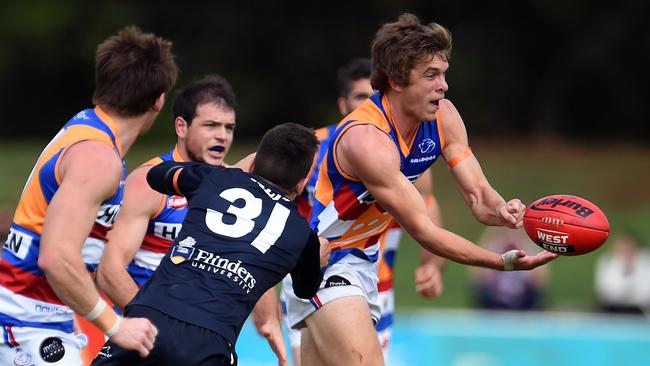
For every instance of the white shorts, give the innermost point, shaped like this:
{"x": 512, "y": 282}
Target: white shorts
{"x": 349, "y": 277}
{"x": 294, "y": 334}
{"x": 386, "y": 301}
{"x": 22, "y": 346}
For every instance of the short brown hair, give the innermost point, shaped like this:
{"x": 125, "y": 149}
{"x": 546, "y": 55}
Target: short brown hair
{"x": 132, "y": 69}
{"x": 400, "y": 45}
{"x": 285, "y": 154}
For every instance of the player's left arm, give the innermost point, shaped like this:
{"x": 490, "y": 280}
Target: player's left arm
{"x": 307, "y": 274}
{"x": 428, "y": 275}
{"x": 175, "y": 178}
{"x": 487, "y": 206}
{"x": 70, "y": 217}
{"x": 266, "y": 316}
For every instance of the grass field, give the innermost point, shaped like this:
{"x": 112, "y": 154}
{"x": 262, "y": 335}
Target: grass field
{"x": 614, "y": 176}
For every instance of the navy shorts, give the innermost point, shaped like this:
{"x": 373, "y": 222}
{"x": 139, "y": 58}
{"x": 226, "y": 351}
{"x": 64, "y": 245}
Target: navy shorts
{"x": 177, "y": 343}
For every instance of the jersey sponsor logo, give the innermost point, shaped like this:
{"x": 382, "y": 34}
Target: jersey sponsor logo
{"x": 426, "y": 146}
{"x": 82, "y": 115}
{"x": 107, "y": 214}
{"x": 422, "y": 160}
{"x": 335, "y": 281}
{"x": 51, "y": 349}
{"x": 166, "y": 230}
{"x": 213, "y": 263}
{"x": 18, "y": 243}
{"x": 183, "y": 250}
{"x": 39, "y": 308}
{"x": 176, "y": 202}
{"x": 549, "y": 204}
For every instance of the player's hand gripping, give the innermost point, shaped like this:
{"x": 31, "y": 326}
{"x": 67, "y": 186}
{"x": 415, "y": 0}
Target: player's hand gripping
{"x": 514, "y": 260}
{"x": 137, "y": 334}
{"x": 511, "y": 213}
{"x": 428, "y": 280}
{"x": 325, "y": 252}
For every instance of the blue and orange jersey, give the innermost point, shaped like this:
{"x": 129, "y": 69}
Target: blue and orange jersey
{"x": 344, "y": 212}
{"x": 26, "y": 298}
{"x": 389, "y": 243}
{"x": 163, "y": 228}
{"x": 306, "y": 199}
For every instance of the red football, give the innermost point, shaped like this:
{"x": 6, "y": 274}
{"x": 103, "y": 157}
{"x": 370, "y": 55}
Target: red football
{"x": 566, "y": 225}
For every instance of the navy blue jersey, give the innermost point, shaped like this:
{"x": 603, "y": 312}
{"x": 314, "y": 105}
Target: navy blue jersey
{"x": 240, "y": 237}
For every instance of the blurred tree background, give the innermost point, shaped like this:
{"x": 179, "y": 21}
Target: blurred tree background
{"x": 567, "y": 68}
{"x": 554, "y": 93}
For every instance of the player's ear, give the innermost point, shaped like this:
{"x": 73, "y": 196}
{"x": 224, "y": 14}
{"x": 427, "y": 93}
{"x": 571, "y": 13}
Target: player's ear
{"x": 394, "y": 85}
{"x": 181, "y": 126}
{"x": 340, "y": 102}
{"x": 160, "y": 102}
{"x": 301, "y": 186}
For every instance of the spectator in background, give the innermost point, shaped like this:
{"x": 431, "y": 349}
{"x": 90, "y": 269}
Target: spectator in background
{"x": 519, "y": 290}
{"x": 622, "y": 278}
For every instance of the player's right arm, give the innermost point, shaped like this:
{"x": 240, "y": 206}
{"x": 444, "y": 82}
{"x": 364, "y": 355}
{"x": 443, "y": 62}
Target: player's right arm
{"x": 89, "y": 172}
{"x": 368, "y": 154}
{"x": 307, "y": 276}
{"x": 139, "y": 204}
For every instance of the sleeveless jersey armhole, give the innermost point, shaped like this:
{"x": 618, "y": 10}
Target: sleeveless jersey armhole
{"x": 57, "y": 175}
{"x": 336, "y": 161}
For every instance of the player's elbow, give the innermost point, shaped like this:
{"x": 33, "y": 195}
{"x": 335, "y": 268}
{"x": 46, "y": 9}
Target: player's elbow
{"x": 103, "y": 275}
{"x": 51, "y": 262}
{"x": 46, "y": 263}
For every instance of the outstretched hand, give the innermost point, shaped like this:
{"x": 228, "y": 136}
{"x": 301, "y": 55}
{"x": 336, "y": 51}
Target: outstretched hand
{"x": 518, "y": 260}
{"x": 512, "y": 213}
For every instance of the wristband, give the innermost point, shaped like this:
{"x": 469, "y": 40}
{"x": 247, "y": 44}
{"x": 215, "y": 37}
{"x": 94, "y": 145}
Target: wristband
{"x": 96, "y": 311}
{"x": 104, "y": 318}
{"x": 116, "y": 326}
{"x": 464, "y": 155}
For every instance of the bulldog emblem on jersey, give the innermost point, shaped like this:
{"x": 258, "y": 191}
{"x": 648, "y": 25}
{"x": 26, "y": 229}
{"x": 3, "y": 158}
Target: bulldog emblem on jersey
{"x": 426, "y": 146}
{"x": 183, "y": 250}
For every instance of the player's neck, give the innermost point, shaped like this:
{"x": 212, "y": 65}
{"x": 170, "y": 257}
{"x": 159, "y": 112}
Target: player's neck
{"x": 128, "y": 128}
{"x": 406, "y": 123}
{"x": 182, "y": 150}
{"x": 289, "y": 195}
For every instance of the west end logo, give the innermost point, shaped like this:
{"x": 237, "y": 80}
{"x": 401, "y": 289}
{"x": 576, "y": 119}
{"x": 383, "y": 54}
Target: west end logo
{"x": 183, "y": 251}
{"x": 426, "y": 146}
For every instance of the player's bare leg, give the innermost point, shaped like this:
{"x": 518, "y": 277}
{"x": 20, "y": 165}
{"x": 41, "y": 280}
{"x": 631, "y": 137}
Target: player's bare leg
{"x": 309, "y": 353}
{"x": 343, "y": 334}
